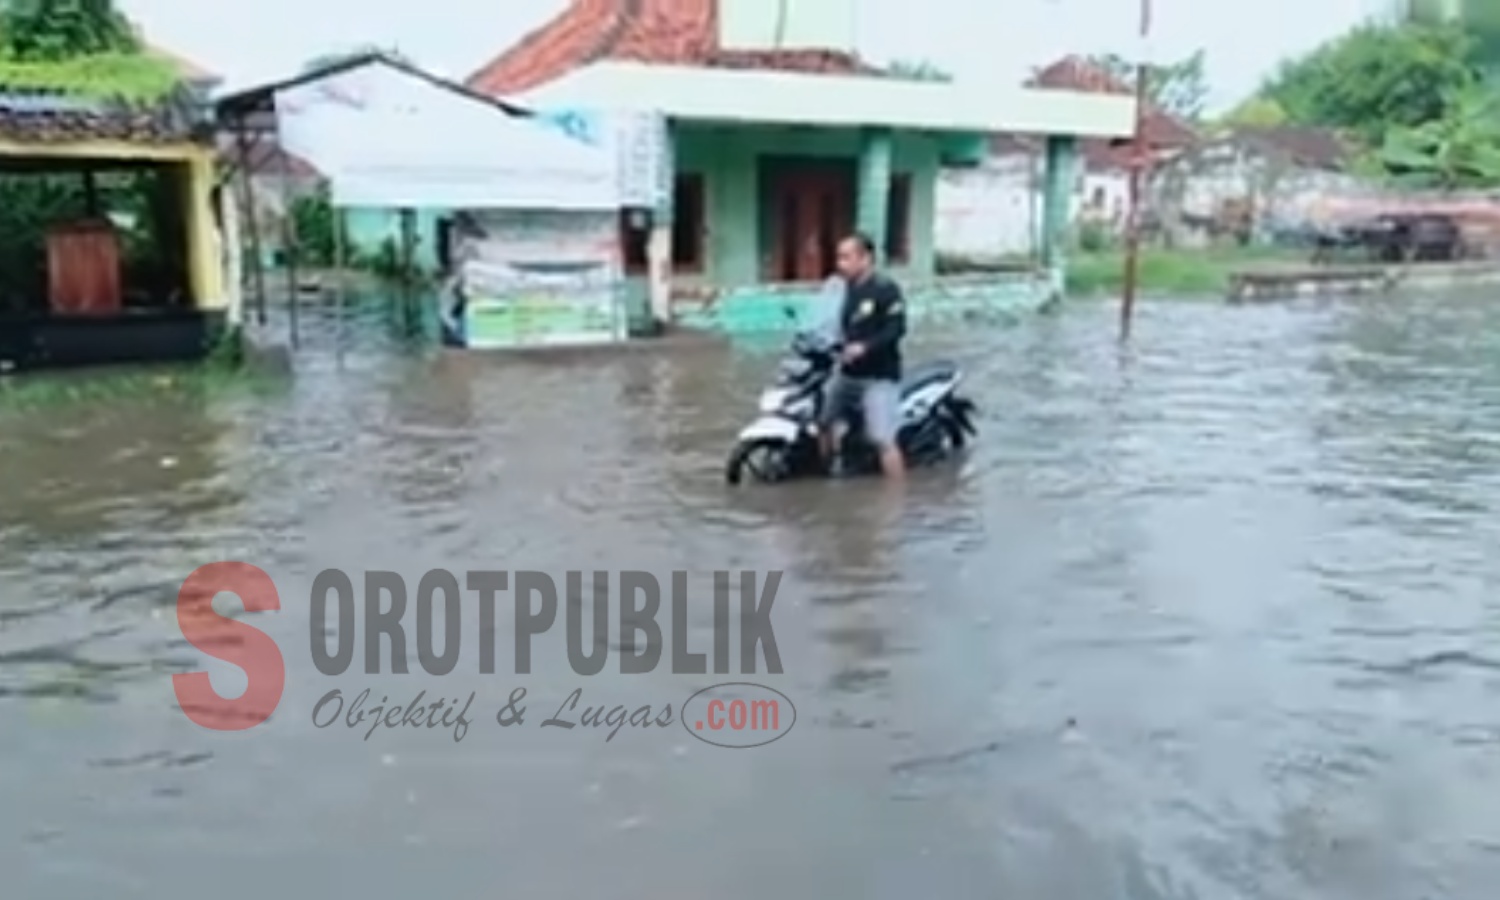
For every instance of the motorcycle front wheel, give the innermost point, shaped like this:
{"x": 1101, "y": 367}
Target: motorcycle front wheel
{"x": 765, "y": 459}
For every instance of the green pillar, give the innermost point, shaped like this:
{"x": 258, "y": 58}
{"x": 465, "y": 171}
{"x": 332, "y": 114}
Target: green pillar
{"x": 1058, "y": 183}
{"x": 874, "y": 185}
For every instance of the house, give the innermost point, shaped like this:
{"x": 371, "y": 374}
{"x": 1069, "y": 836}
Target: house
{"x": 538, "y": 205}
{"x": 278, "y": 179}
{"x": 1251, "y": 182}
{"x": 994, "y": 209}
{"x": 108, "y": 278}
{"x": 783, "y": 139}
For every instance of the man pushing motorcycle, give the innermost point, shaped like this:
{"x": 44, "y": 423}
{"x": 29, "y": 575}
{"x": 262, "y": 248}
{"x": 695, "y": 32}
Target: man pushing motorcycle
{"x": 872, "y": 323}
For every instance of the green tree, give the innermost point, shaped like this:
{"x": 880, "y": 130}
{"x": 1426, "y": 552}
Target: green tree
{"x": 1256, "y": 112}
{"x": 1480, "y": 19}
{"x": 1374, "y": 79}
{"x": 1179, "y": 89}
{"x": 56, "y": 30}
{"x": 1459, "y": 150}
{"x": 314, "y": 221}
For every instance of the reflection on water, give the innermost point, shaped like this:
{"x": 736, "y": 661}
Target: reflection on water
{"x": 1208, "y": 616}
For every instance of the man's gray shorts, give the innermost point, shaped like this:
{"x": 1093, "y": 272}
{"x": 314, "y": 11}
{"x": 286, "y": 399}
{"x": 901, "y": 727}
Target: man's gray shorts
{"x": 878, "y": 400}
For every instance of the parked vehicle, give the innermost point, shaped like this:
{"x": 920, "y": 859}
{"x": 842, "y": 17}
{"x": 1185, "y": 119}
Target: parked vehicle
{"x": 1395, "y": 238}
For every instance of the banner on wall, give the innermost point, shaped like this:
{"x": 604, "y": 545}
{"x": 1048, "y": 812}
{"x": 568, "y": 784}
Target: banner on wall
{"x": 514, "y": 306}
{"x": 389, "y": 139}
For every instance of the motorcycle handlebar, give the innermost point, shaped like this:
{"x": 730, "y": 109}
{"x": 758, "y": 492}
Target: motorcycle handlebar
{"x": 814, "y": 342}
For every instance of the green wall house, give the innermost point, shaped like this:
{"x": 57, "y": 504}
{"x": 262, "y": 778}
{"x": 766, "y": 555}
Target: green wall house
{"x": 779, "y": 149}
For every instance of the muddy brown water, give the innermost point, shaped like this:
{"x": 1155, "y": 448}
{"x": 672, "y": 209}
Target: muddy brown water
{"x": 1211, "y": 617}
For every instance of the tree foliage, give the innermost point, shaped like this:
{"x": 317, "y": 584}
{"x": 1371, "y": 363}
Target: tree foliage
{"x": 1179, "y": 89}
{"x": 314, "y": 221}
{"x": 129, "y": 77}
{"x": 1461, "y": 149}
{"x": 1375, "y": 79}
{"x": 55, "y": 30}
{"x": 83, "y": 47}
{"x": 1481, "y": 21}
{"x": 1418, "y": 92}
{"x": 1256, "y": 112}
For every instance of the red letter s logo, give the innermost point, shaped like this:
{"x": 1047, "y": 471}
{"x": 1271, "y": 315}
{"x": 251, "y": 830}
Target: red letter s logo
{"x": 231, "y": 641}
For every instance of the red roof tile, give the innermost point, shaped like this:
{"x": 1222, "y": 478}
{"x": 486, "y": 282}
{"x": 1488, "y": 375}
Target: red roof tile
{"x": 1321, "y": 148}
{"x": 665, "y": 32}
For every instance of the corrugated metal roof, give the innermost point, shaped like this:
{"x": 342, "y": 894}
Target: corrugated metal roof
{"x": 792, "y": 98}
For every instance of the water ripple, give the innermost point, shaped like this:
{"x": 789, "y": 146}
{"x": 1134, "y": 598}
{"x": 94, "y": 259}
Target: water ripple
{"x": 1205, "y": 616}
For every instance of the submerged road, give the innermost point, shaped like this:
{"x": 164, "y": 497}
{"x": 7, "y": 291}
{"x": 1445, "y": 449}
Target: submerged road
{"x": 1212, "y": 617}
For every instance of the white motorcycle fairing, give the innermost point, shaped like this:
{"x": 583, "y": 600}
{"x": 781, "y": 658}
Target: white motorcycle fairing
{"x": 771, "y": 428}
{"x": 920, "y": 403}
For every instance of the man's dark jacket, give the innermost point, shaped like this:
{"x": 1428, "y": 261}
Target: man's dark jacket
{"x": 874, "y": 315}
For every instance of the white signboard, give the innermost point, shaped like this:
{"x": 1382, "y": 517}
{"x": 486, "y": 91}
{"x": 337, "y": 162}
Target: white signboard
{"x": 388, "y": 139}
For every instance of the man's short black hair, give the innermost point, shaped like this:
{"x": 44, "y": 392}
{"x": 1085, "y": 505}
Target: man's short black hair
{"x": 863, "y": 241}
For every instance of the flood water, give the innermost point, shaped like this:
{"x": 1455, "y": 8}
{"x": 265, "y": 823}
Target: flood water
{"x": 1211, "y": 617}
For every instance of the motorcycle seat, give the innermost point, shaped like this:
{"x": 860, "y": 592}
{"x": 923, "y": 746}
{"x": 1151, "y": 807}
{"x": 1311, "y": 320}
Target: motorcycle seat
{"x": 927, "y": 373}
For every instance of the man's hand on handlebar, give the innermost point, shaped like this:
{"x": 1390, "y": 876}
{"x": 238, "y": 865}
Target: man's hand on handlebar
{"x": 851, "y": 352}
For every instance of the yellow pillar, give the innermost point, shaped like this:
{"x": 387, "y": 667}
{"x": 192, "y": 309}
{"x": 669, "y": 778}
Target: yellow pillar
{"x": 205, "y": 259}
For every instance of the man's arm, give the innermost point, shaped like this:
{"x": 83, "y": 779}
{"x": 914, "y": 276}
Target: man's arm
{"x": 892, "y": 319}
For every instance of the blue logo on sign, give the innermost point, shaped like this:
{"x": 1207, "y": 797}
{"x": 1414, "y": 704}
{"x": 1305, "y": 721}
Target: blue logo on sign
{"x": 577, "y": 125}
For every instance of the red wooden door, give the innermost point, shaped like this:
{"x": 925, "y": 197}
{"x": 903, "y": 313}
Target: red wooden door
{"x": 812, "y": 210}
{"x": 83, "y": 261}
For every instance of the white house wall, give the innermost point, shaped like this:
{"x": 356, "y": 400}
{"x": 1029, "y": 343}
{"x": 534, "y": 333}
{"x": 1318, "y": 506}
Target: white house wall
{"x": 988, "y": 211}
{"x": 995, "y": 209}
{"x": 1289, "y": 196}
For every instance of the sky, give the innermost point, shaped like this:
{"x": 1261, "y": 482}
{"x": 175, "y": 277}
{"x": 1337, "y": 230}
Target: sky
{"x": 991, "y": 41}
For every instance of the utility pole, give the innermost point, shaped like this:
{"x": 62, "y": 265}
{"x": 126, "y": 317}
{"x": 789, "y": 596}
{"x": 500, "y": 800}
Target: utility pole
{"x": 1139, "y": 159}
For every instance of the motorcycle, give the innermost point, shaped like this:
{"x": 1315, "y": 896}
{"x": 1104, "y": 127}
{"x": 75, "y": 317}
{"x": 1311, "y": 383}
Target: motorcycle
{"x": 782, "y": 443}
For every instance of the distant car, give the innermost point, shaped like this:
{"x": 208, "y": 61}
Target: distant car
{"x": 1421, "y": 237}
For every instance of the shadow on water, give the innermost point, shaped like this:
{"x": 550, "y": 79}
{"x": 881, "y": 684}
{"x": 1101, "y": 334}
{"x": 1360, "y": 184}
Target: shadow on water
{"x": 1204, "y": 617}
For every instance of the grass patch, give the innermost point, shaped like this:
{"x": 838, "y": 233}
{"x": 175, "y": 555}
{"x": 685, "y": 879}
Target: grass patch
{"x": 136, "y": 385}
{"x": 132, "y": 78}
{"x": 1184, "y": 272}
